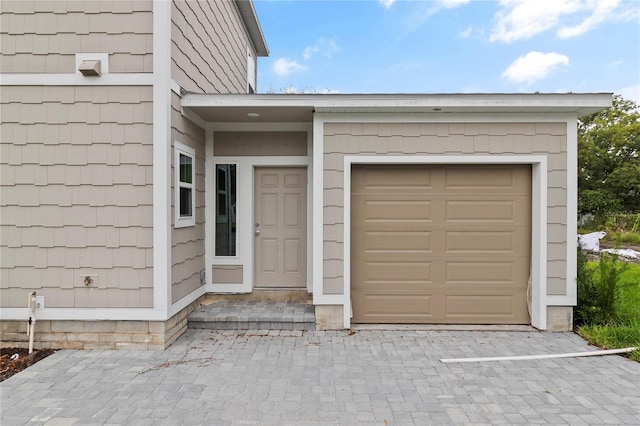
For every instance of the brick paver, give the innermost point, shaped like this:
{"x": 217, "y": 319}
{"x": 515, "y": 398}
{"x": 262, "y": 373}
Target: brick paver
{"x": 310, "y": 377}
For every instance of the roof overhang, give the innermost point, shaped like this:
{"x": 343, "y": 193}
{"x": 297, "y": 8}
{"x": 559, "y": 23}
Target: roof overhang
{"x": 250, "y": 18}
{"x": 300, "y": 107}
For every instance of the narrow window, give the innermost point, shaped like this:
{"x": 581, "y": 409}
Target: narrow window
{"x": 225, "y": 210}
{"x": 185, "y": 203}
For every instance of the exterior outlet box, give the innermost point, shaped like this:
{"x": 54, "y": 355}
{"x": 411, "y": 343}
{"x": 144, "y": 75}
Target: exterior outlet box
{"x": 39, "y": 302}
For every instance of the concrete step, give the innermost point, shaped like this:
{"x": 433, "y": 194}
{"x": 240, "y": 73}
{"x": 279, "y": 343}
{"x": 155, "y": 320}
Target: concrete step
{"x": 254, "y": 315}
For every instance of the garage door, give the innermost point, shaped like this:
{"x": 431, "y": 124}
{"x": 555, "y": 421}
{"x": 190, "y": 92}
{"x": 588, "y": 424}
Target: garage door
{"x": 440, "y": 244}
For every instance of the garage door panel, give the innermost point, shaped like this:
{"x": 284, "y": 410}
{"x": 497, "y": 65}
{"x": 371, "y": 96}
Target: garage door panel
{"x": 467, "y": 254}
{"x": 397, "y": 241}
{"x": 396, "y": 209}
{"x": 469, "y": 306}
{"x": 384, "y": 308}
{"x": 464, "y": 241}
{"x": 394, "y": 179}
{"x": 394, "y": 272}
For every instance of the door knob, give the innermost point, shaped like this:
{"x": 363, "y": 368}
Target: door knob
{"x": 257, "y": 232}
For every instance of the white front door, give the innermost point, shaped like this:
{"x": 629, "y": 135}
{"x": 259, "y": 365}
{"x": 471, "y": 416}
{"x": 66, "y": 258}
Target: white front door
{"x": 280, "y": 228}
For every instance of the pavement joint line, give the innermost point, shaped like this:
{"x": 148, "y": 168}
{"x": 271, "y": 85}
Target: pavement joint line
{"x": 543, "y": 356}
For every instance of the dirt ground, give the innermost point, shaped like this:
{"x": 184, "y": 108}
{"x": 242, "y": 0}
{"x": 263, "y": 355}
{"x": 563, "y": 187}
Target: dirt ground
{"x": 14, "y": 360}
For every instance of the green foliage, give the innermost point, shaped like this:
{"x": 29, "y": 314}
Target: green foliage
{"x": 625, "y": 331}
{"x": 597, "y": 289}
{"x": 609, "y": 160}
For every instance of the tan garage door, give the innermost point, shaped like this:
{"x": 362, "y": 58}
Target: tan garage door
{"x": 440, "y": 244}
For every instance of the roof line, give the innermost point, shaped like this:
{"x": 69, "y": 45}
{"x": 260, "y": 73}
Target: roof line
{"x": 251, "y": 22}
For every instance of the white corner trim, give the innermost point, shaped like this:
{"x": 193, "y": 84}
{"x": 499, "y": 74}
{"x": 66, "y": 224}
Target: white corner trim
{"x": 572, "y": 212}
{"x": 318, "y": 214}
{"x": 102, "y": 57}
{"x": 538, "y": 217}
{"x": 112, "y": 79}
{"x": 161, "y": 155}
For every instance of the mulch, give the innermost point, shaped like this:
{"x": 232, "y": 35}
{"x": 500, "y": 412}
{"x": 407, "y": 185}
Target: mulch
{"x": 14, "y": 360}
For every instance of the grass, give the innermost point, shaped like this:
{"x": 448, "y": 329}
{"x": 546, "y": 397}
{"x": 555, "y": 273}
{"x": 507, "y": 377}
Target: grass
{"x": 625, "y": 331}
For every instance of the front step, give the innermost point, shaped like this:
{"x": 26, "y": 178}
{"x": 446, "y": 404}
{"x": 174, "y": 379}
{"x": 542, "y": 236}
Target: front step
{"x": 254, "y": 315}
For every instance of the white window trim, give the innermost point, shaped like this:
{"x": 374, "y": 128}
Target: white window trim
{"x": 182, "y": 149}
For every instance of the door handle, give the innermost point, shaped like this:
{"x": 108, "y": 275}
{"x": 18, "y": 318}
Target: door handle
{"x": 257, "y": 232}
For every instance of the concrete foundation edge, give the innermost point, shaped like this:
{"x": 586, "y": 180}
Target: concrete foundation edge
{"x": 329, "y": 317}
{"x": 77, "y": 334}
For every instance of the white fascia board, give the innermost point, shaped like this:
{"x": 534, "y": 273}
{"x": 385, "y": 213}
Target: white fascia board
{"x": 111, "y": 79}
{"x": 582, "y": 103}
{"x": 162, "y": 155}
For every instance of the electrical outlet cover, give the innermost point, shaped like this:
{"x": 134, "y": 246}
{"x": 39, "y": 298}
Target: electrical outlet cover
{"x": 40, "y": 302}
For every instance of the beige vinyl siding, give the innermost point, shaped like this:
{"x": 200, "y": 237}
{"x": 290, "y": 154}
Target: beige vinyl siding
{"x": 44, "y": 36}
{"x": 226, "y": 274}
{"x": 342, "y": 139}
{"x": 209, "y": 45}
{"x": 76, "y": 195}
{"x": 260, "y": 144}
{"x": 187, "y": 244}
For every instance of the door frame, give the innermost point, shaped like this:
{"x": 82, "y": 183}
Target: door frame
{"x": 245, "y": 218}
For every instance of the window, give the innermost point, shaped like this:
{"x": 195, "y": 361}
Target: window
{"x": 185, "y": 202}
{"x": 225, "y": 209}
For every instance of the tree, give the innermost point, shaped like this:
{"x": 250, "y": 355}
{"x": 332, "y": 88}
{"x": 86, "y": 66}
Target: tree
{"x": 608, "y": 159}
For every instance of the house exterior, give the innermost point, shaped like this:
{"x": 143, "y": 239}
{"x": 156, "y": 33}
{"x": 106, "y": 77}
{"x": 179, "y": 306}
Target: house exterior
{"x": 129, "y": 196}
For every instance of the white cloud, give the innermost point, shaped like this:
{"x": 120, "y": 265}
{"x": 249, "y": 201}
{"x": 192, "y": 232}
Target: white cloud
{"x": 284, "y": 67}
{"x": 450, "y": 4}
{"x": 309, "y": 51}
{"x": 534, "y": 66}
{"x": 520, "y": 19}
{"x": 326, "y": 47}
{"x": 293, "y": 89}
{"x": 466, "y": 33}
{"x": 602, "y": 10}
{"x": 387, "y": 3}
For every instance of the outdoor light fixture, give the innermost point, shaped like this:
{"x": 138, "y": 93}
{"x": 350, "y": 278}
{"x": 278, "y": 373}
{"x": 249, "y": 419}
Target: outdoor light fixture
{"x": 253, "y": 115}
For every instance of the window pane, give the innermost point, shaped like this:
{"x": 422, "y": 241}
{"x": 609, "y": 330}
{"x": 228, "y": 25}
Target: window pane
{"x": 186, "y": 164}
{"x": 185, "y": 202}
{"x": 226, "y": 210}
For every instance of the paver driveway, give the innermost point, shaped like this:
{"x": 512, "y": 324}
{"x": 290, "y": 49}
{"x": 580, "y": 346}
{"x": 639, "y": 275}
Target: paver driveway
{"x": 371, "y": 377}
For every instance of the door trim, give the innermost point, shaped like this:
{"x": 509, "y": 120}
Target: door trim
{"x": 244, "y": 253}
{"x": 538, "y": 219}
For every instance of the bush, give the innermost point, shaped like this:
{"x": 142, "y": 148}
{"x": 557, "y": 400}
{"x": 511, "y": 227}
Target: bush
{"x": 597, "y": 289}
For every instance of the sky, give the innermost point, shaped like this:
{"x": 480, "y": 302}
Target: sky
{"x": 450, "y": 46}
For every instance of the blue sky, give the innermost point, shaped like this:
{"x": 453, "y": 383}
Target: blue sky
{"x": 448, "y": 46}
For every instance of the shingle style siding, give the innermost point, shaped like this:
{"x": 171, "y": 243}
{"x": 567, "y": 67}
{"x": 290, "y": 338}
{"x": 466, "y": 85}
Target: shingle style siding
{"x": 209, "y": 45}
{"x": 76, "y": 195}
{"x": 187, "y": 244}
{"x": 44, "y": 36}
{"x": 342, "y": 139}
